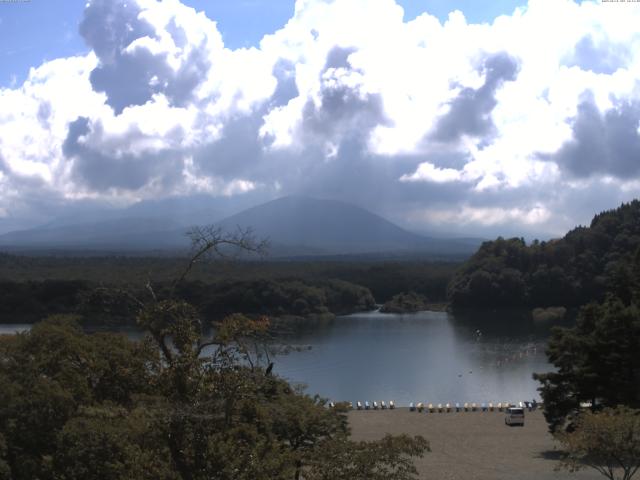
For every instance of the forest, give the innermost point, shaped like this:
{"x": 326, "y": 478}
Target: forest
{"x": 32, "y": 287}
{"x": 571, "y": 271}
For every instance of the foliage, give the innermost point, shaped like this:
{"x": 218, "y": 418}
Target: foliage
{"x": 596, "y": 362}
{"x": 389, "y": 458}
{"x": 607, "y": 441}
{"x": 34, "y": 287}
{"x": 572, "y": 271}
{"x": 405, "y": 303}
{"x": 180, "y": 404}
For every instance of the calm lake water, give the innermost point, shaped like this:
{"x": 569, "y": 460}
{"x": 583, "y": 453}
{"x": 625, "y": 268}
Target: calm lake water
{"x": 428, "y": 356}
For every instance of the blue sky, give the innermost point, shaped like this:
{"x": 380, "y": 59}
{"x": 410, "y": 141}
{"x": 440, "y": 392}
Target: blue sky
{"x": 39, "y": 30}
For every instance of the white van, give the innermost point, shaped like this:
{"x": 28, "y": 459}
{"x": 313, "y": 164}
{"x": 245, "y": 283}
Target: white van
{"x": 514, "y": 416}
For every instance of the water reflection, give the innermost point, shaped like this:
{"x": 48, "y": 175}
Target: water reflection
{"x": 428, "y": 356}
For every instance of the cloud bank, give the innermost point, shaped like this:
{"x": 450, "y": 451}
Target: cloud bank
{"x": 530, "y": 123}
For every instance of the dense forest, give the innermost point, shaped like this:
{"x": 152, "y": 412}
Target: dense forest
{"x": 34, "y": 287}
{"x": 574, "y": 270}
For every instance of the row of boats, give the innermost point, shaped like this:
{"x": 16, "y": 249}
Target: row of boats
{"x": 368, "y": 406}
{"x": 446, "y": 407}
{"x": 470, "y": 407}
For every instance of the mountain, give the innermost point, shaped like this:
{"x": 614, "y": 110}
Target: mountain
{"x": 294, "y": 226}
{"x": 330, "y": 227}
{"x": 112, "y": 234}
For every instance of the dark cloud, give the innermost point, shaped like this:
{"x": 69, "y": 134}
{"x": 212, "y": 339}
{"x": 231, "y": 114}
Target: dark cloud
{"x": 4, "y": 166}
{"x": 44, "y": 112}
{"x": 604, "y": 58}
{"x": 239, "y": 151}
{"x": 343, "y": 110}
{"x": 133, "y": 77}
{"x": 470, "y": 112}
{"x": 602, "y": 143}
{"x": 338, "y": 57}
{"x": 286, "y": 89}
{"x": 101, "y": 168}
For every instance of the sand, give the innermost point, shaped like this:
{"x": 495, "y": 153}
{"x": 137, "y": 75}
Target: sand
{"x": 472, "y": 445}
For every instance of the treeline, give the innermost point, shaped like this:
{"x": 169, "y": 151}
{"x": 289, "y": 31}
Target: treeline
{"x": 34, "y": 287}
{"x": 98, "y": 304}
{"x": 574, "y": 270}
{"x": 277, "y": 297}
{"x": 384, "y": 278}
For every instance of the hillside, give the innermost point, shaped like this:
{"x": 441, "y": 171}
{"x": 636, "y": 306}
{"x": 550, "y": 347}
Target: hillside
{"x": 295, "y": 227}
{"x": 317, "y": 227}
{"x": 571, "y": 271}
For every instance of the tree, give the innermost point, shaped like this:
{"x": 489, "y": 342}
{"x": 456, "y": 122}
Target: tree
{"x": 596, "y": 362}
{"x": 185, "y": 403}
{"x": 607, "y": 441}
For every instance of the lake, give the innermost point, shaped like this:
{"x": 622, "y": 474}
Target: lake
{"x": 431, "y": 357}
{"x": 428, "y": 356}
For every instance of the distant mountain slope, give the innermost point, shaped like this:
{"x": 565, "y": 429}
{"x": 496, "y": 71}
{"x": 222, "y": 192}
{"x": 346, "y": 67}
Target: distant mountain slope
{"x": 120, "y": 233}
{"x": 333, "y": 227}
{"x": 295, "y": 226}
{"x": 579, "y": 268}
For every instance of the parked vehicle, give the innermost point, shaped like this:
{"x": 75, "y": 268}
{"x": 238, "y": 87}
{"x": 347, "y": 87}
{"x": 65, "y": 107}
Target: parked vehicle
{"x": 514, "y": 416}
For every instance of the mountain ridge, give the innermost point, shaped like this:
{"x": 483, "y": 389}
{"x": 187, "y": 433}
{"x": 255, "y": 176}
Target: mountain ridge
{"x": 294, "y": 225}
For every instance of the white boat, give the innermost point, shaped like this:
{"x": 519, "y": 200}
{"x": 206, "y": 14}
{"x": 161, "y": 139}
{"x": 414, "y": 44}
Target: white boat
{"x": 448, "y": 407}
{"x": 466, "y": 407}
{"x": 473, "y": 407}
{"x": 431, "y": 408}
{"x": 412, "y": 407}
{"x": 332, "y": 405}
{"x": 439, "y": 408}
{"x": 359, "y": 405}
{"x": 457, "y": 407}
{"x": 383, "y": 405}
{"x": 375, "y": 405}
{"x": 391, "y": 405}
{"x": 484, "y": 407}
{"x": 420, "y": 406}
{"x": 366, "y": 405}
{"x": 490, "y": 407}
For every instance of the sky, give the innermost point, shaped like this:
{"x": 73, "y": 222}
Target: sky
{"x": 475, "y": 118}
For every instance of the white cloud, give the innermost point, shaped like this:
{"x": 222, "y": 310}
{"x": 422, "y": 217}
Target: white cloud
{"x": 346, "y": 91}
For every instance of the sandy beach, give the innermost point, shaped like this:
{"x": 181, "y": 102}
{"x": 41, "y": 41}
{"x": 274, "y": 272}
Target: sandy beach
{"x": 471, "y": 445}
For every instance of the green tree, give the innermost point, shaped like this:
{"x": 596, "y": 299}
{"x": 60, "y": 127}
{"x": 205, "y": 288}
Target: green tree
{"x": 607, "y": 441}
{"x": 186, "y": 403}
{"x": 596, "y": 362}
